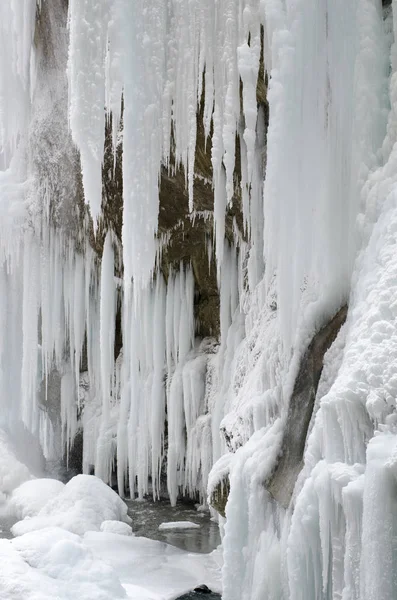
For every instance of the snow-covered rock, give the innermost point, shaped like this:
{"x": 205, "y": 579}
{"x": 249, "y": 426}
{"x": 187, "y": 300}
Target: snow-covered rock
{"x": 116, "y": 527}
{"x": 28, "y": 499}
{"x": 83, "y": 504}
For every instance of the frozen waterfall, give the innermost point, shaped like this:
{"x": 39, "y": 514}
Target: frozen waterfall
{"x": 294, "y": 103}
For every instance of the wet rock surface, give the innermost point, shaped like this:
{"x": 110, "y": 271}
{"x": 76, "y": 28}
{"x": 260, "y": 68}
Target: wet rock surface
{"x": 220, "y": 496}
{"x": 282, "y": 482}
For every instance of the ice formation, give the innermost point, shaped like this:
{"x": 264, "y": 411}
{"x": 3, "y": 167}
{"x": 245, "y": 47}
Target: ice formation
{"x": 318, "y": 231}
{"x": 118, "y": 527}
{"x": 178, "y": 525}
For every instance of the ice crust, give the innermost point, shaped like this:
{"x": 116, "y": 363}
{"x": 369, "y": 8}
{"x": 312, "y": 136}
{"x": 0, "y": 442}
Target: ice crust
{"x": 178, "y": 525}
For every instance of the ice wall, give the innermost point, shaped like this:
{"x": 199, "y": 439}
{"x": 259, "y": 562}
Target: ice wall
{"x": 331, "y": 542}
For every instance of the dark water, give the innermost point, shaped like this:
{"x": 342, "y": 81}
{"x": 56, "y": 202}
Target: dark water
{"x": 5, "y": 527}
{"x": 148, "y": 515}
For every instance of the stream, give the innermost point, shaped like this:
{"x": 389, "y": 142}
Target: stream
{"x": 5, "y": 527}
{"x": 147, "y": 515}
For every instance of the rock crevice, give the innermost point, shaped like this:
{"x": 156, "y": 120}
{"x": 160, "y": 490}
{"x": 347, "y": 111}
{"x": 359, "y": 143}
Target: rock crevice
{"x": 282, "y": 481}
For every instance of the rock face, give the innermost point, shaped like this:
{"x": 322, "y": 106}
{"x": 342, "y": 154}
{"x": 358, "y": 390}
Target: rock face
{"x": 184, "y": 236}
{"x": 218, "y": 499}
{"x": 282, "y": 481}
{"x": 201, "y": 591}
{"x": 56, "y": 163}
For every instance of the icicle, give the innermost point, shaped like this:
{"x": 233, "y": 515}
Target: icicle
{"x": 158, "y": 392}
{"x": 17, "y": 23}
{"x": 182, "y": 334}
{"x": 377, "y": 569}
{"x": 86, "y": 69}
{"x": 114, "y": 68}
{"x": 31, "y": 283}
{"x": 107, "y": 324}
{"x": 78, "y": 315}
{"x": 68, "y": 410}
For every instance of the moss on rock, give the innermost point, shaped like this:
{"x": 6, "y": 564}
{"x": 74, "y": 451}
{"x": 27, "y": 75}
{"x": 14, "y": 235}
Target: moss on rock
{"x": 220, "y": 495}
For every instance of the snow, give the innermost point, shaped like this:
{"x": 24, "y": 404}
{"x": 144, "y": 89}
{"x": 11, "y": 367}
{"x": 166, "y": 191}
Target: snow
{"x": 82, "y": 505}
{"x": 54, "y": 563}
{"x": 178, "y": 525}
{"x": 28, "y": 499}
{"x": 155, "y": 569}
{"x": 116, "y": 527}
{"x": 219, "y": 473}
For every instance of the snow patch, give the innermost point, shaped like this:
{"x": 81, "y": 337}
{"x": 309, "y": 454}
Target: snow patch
{"x": 178, "y": 525}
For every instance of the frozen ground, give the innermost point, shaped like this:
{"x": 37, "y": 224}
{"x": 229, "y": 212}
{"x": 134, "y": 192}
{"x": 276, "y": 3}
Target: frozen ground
{"x": 75, "y": 541}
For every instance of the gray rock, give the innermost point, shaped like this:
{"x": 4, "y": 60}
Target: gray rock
{"x": 282, "y": 481}
{"x": 200, "y": 592}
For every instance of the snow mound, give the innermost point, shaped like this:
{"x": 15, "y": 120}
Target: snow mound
{"x": 178, "y": 525}
{"x": 30, "y": 497}
{"x": 83, "y": 504}
{"x": 116, "y": 527}
{"x": 53, "y": 563}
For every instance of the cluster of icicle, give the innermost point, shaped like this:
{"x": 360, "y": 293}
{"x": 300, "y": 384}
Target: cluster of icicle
{"x": 158, "y": 398}
{"x": 162, "y": 60}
